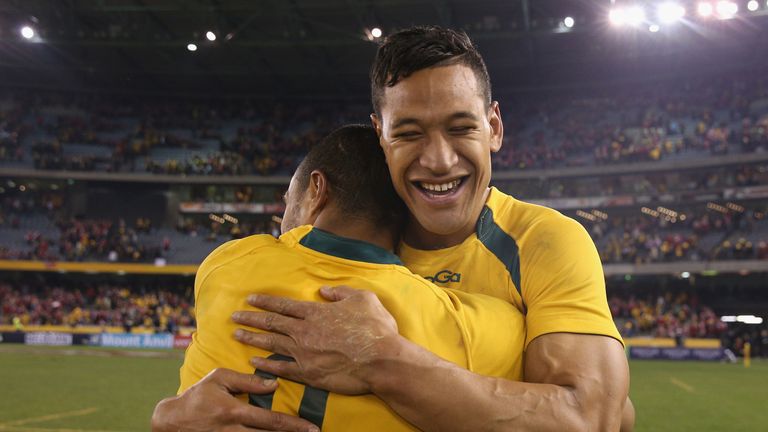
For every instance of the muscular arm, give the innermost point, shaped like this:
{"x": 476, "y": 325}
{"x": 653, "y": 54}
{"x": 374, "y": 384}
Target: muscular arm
{"x": 575, "y": 381}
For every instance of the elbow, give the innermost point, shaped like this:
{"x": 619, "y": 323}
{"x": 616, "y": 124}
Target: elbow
{"x": 603, "y": 414}
{"x": 158, "y": 421}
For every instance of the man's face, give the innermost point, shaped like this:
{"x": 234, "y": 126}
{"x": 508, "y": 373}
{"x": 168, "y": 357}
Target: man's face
{"x": 296, "y": 207}
{"x": 438, "y": 134}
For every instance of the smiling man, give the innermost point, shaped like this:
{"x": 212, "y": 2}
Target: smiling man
{"x": 438, "y": 127}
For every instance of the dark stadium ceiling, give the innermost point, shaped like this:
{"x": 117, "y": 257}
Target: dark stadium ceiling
{"x": 321, "y": 48}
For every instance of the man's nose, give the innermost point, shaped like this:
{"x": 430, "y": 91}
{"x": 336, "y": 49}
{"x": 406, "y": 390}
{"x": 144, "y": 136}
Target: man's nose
{"x": 438, "y": 155}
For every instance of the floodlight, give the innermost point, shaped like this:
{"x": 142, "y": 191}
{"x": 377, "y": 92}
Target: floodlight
{"x": 753, "y": 5}
{"x": 670, "y": 12}
{"x": 192, "y": 47}
{"x": 654, "y": 28}
{"x": 617, "y": 17}
{"x": 705, "y": 9}
{"x": 726, "y": 9}
{"x": 211, "y": 36}
{"x": 568, "y": 22}
{"x": 27, "y": 32}
{"x": 635, "y": 15}
{"x": 376, "y": 32}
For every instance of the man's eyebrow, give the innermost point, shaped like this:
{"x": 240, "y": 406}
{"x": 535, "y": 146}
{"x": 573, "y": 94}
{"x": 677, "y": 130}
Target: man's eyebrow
{"x": 404, "y": 121}
{"x": 463, "y": 115}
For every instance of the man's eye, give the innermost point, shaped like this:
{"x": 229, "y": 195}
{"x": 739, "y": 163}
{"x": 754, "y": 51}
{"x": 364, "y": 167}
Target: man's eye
{"x": 406, "y": 135}
{"x": 462, "y": 129}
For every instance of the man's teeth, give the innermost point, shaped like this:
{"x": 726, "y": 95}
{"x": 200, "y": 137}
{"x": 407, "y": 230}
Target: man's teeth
{"x": 443, "y": 187}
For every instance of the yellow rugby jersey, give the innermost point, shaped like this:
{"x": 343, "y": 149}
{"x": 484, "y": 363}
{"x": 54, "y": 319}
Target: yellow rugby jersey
{"x": 534, "y": 257}
{"x": 478, "y": 332}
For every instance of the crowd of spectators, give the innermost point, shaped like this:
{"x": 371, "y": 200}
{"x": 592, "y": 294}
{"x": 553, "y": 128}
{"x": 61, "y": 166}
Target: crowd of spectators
{"x": 646, "y": 238}
{"x": 667, "y": 315}
{"x": 90, "y": 240}
{"x": 642, "y": 124}
{"x": 168, "y": 307}
{"x": 697, "y": 235}
{"x": 215, "y": 137}
{"x": 105, "y": 305}
{"x": 647, "y": 184}
{"x": 647, "y": 123}
{"x": 681, "y": 314}
{"x": 216, "y": 230}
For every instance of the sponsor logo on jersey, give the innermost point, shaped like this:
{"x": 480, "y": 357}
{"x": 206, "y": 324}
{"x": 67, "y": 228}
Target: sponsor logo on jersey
{"x": 444, "y": 276}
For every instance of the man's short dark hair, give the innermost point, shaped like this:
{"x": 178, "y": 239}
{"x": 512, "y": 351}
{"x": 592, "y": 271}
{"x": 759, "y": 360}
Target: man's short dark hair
{"x": 356, "y": 168}
{"x": 411, "y": 50}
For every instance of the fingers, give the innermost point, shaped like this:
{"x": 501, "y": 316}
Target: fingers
{"x": 272, "y": 342}
{"x": 268, "y": 321}
{"x": 248, "y": 415}
{"x": 237, "y": 383}
{"x": 281, "y": 305}
{"x": 284, "y": 369}
{"x": 337, "y": 293}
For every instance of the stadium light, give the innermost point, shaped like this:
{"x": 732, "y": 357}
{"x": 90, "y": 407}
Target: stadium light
{"x": 617, "y": 17}
{"x": 211, "y": 36}
{"x": 635, "y": 15}
{"x": 753, "y": 5}
{"x": 685, "y": 275}
{"x": 568, "y": 22}
{"x": 376, "y": 32}
{"x": 705, "y": 9}
{"x": 654, "y": 28}
{"x": 670, "y": 12}
{"x": 728, "y": 318}
{"x": 192, "y": 47}
{"x": 749, "y": 319}
{"x": 726, "y": 9}
{"x": 27, "y": 32}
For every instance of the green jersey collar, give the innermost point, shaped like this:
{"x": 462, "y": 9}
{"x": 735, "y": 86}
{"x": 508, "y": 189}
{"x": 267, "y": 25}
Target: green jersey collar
{"x": 356, "y": 250}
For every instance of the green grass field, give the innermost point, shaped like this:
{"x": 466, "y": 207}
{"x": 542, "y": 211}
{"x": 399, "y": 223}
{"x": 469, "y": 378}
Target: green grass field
{"x": 47, "y": 389}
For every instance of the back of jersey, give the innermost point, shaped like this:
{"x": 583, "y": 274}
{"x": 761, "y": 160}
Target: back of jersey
{"x": 441, "y": 322}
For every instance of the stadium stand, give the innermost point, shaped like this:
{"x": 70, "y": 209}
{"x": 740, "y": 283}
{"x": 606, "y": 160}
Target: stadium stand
{"x": 106, "y": 181}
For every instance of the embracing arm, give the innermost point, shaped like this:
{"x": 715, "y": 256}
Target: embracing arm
{"x": 576, "y": 381}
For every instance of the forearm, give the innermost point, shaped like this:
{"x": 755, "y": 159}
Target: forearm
{"x": 436, "y": 395}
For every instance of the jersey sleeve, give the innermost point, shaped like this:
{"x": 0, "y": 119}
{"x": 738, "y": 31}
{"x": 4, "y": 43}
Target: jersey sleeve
{"x": 563, "y": 285}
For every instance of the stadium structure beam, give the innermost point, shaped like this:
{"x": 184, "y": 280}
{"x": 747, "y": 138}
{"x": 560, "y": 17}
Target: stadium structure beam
{"x": 539, "y": 174}
{"x": 692, "y": 267}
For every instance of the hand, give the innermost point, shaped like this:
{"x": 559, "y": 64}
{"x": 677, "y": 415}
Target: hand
{"x": 333, "y": 343}
{"x": 210, "y": 405}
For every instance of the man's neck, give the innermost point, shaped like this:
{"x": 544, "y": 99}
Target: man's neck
{"x": 418, "y": 237}
{"x": 356, "y": 228}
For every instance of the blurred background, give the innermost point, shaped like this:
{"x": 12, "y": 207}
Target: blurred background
{"x": 137, "y": 136}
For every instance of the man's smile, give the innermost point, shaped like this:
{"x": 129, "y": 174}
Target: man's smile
{"x": 442, "y": 191}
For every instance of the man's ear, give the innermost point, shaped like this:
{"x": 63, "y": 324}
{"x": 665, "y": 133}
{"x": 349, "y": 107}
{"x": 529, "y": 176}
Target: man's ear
{"x": 318, "y": 192}
{"x": 497, "y": 127}
{"x": 376, "y": 123}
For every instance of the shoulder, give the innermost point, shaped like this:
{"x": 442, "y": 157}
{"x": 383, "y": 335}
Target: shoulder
{"x": 532, "y": 223}
{"x": 232, "y": 251}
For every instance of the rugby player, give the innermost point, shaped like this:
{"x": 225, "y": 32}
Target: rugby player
{"x": 342, "y": 221}
{"x": 438, "y": 127}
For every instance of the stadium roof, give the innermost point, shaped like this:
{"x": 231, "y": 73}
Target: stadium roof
{"x": 311, "y": 48}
